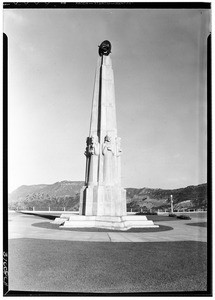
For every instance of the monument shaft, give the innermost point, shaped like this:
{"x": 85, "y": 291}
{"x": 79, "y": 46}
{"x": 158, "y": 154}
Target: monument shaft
{"x": 102, "y": 199}
{"x": 102, "y": 194}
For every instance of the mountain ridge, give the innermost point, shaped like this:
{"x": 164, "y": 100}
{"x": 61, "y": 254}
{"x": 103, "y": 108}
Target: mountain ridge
{"x": 66, "y": 194}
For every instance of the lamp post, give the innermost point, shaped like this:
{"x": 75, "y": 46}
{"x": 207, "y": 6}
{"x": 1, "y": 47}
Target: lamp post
{"x": 171, "y": 204}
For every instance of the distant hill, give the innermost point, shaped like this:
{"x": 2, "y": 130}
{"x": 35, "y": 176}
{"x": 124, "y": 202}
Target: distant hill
{"x": 159, "y": 198}
{"x": 56, "y": 196}
{"x": 66, "y": 194}
{"x": 58, "y": 189}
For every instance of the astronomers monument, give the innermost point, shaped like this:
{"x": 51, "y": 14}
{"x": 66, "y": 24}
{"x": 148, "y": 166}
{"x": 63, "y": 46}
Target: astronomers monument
{"x": 102, "y": 199}
{"x": 102, "y": 194}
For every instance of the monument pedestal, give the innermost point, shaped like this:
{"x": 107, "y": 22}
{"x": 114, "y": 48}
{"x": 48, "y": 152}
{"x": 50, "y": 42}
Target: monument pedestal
{"x": 102, "y": 200}
{"x": 108, "y": 222}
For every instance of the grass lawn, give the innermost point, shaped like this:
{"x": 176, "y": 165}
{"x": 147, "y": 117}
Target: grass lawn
{"x": 66, "y": 266}
{"x": 200, "y": 224}
{"x": 161, "y": 218}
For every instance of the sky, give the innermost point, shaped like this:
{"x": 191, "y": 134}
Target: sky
{"x": 159, "y": 63}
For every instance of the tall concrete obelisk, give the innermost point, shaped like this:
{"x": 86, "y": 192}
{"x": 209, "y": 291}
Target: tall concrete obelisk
{"x": 102, "y": 194}
{"x": 102, "y": 199}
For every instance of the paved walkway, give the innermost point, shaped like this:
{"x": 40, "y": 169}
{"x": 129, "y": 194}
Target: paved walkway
{"x": 20, "y": 226}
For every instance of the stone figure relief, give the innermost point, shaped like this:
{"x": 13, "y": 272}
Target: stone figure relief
{"x": 92, "y": 152}
{"x": 118, "y": 146}
{"x": 107, "y": 145}
{"x": 118, "y": 160}
{"x": 108, "y": 152}
{"x": 92, "y": 146}
{"x": 87, "y": 153}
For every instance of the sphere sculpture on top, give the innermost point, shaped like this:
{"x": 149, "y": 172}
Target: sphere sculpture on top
{"x": 105, "y": 48}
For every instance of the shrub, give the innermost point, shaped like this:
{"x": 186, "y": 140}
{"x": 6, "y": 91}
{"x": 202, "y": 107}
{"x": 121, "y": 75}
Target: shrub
{"x": 183, "y": 217}
{"x": 146, "y": 213}
{"x": 172, "y": 215}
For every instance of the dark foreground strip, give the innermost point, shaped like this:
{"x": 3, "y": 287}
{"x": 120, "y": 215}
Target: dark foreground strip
{"x": 38, "y": 265}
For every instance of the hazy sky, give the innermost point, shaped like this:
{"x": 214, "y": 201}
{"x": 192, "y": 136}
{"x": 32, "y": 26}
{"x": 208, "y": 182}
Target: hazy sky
{"x": 159, "y": 63}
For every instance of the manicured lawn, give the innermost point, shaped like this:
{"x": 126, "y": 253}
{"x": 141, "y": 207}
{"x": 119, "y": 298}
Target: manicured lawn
{"x": 66, "y": 266}
{"x": 200, "y": 224}
{"x": 161, "y": 218}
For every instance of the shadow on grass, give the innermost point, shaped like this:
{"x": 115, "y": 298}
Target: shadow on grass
{"x": 161, "y": 218}
{"x": 200, "y": 224}
{"x": 50, "y": 217}
{"x": 48, "y": 225}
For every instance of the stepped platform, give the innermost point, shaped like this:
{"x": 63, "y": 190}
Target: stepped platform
{"x": 107, "y": 222}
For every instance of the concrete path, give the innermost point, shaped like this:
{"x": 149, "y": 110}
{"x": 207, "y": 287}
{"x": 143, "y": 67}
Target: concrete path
{"x": 20, "y": 226}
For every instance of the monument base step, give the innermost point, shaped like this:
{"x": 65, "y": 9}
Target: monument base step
{"x": 59, "y": 221}
{"x": 106, "y": 222}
